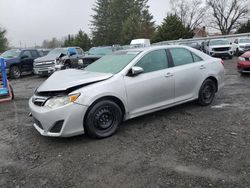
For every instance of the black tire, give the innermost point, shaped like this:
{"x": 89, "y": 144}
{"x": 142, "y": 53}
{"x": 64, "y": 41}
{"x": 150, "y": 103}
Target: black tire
{"x": 207, "y": 92}
{"x": 15, "y": 72}
{"x": 103, "y": 119}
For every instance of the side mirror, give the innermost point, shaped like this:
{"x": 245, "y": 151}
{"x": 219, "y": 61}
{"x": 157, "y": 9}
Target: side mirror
{"x": 136, "y": 71}
{"x": 24, "y": 57}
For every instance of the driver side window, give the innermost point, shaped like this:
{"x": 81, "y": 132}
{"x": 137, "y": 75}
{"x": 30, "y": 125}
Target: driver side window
{"x": 154, "y": 61}
{"x": 27, "y": 53}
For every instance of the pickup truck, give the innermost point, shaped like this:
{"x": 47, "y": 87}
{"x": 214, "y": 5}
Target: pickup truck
{"x": 19, "y": 61}
{"x": 58, "y": 59}
{"x": 241, "y": 45}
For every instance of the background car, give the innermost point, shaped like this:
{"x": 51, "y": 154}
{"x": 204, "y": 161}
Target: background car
{"x": 243, "y": 64}
{"x": 241, "y": 45}
{"x": 96, "y": 53}
{"x": 57, "y": 59}
{"x": 19, "y": 61}
{"x": 121, "y": 86}
{"x": 219, "y": 48}
{"x": 194, "y": 45}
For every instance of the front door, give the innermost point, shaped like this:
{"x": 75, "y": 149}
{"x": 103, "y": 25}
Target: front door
{"x": 153, "y": 88}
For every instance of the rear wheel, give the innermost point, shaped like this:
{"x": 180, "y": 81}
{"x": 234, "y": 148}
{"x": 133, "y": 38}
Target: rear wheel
{"x": 15, "y": 72}
{"x": 103, "y": 119}
{"x": 207, "y": 92}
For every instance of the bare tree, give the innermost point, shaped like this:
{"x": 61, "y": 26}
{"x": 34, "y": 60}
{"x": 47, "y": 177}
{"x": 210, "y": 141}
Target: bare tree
{"x": 227, "y": 14}
{"x": 191, "y": 12}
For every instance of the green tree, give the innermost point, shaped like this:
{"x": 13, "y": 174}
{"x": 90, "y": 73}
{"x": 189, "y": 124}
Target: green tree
{"x": 3, "y": 40}
{"x": 244, "y": 28}
{"x": 172, "y": 28}
{"x": 81, "y": 39}
{"x": 119, "y": 21}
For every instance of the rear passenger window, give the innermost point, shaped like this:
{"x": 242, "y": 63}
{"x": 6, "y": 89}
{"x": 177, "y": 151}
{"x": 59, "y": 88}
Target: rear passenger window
{"x": 154, "y": 61}
{"x": 197, "y": 58}
{"x": 181, "y": 56}
{"x": 27, "y": 53}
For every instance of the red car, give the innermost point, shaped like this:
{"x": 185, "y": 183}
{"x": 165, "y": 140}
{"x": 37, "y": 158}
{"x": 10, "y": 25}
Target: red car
{"x": 244, "y": 63}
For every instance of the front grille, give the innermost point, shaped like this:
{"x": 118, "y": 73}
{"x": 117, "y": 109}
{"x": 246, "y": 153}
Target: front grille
{"x": 221, "y": 49}
{"x": 44, "y": 65}
{"x": 38, "y": 123}
{"x": 39, "y": 100}
{"x": 247, "y": 47}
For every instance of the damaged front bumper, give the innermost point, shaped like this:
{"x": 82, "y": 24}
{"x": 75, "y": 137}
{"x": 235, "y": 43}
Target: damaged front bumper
{"x": 64, "y": 121}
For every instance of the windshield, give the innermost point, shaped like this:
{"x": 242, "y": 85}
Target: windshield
{"x": 218, "y": 42}
{"x": 112, "y": 63}
{"x": 58, "y": 51}
{"x": 11, "y": 54}
{"x": 101, "y": 51}
{"x": 245, "y": 40}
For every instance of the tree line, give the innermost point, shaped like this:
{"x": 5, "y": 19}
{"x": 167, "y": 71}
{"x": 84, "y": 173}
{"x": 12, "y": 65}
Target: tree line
{"x": 120, "y": 21}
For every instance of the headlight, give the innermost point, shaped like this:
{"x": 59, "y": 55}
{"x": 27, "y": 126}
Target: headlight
{"x": 241, "y": 58}
{"x": 59, "y": 101}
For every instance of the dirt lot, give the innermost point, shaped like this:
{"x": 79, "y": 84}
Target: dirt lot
{"x": 185, "y": 146}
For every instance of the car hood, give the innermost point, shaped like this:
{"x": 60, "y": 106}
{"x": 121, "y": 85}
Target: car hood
{"x": 221, "y": 46}
{"x": 51, "y": 57}
{"x": 246, "y": 54}
{"x": 92, "y": 56}
{"x": 71, "y": 78}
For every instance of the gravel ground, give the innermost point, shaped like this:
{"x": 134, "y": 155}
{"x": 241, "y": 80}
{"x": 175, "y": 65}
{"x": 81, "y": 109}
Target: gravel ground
{"x": 184, "y": 146}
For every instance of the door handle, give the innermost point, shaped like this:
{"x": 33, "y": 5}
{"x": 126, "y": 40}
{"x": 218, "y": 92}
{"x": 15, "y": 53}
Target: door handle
{"x": 202, "y": 67}
{"x": 169, "y": 75}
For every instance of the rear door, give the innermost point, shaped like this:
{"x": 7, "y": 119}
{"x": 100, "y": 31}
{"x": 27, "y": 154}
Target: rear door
{"x": 152, "y": 89}
{"x": 189, "y": 72}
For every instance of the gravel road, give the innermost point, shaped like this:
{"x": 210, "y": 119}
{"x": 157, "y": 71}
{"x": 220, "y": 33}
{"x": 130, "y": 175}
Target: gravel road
{"x": 184, "y": 146}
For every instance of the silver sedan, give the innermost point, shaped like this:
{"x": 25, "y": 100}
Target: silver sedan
{"x": 121, "y": 86}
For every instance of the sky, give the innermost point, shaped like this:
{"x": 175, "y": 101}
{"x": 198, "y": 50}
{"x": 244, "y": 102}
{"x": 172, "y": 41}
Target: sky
{"x": 29, "y": 22}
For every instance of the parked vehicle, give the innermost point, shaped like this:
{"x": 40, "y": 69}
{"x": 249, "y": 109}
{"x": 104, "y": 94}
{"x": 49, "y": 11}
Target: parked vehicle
{"x": 122, "y": 86}
{"x": 19, "y": 61}
{"x": 220, "y": 48}
{"x": 140, "y": 42}
{"x": 241, "y": 45}
{"x": 96, "y": 53}
{"x": 194, "y": 45}
{"x": 243, "y": 64}
{"x": 43, "y": 52}
{"x": 57, "y": 59}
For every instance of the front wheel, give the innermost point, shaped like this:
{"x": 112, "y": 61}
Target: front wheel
{"x": 207, "y": 92}
{"x": 103, "y": 119}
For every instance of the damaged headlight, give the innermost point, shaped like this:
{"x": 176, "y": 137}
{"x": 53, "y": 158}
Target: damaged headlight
{"x": 59, "y": 101}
